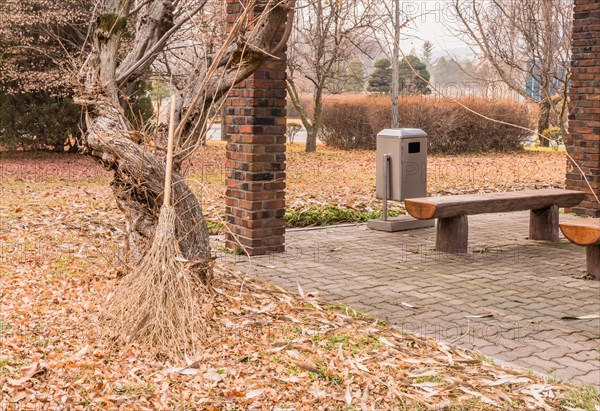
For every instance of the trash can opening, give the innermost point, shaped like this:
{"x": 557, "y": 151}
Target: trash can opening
{"x": 414, "y": 147}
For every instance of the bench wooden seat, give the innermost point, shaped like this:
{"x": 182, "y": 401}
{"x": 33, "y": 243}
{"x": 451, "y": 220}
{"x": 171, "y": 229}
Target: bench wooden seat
{"x": 452, "y": 211}
{"x": 586, "y": 232}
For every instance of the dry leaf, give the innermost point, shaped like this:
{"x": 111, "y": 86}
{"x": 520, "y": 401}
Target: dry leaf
{"x": 254, "y": 394}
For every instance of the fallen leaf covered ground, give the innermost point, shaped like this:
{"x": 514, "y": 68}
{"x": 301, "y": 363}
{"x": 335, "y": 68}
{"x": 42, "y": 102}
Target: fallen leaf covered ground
{"x": 327, "y": 177}
{"x": 60, "y": 233}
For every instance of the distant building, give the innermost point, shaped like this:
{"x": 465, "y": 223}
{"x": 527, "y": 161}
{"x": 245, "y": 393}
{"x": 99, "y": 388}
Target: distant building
{"x": 532, "y": 85}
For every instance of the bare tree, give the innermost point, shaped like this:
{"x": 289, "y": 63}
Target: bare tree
{"x": 388, "y": 32}
{"x": 523, "y": 41}
{"x": 326, "y": 34}
{"x": 396, "y": 64}
{"x": 162, "y": 28}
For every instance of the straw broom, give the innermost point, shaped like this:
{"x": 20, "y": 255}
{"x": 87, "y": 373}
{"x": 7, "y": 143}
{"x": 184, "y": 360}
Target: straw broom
{"x": 160, "y": 304}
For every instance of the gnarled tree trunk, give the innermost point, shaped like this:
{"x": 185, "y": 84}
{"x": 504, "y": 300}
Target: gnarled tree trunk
{"x": 138, "y": 182}
{"x": 138, "y": 186}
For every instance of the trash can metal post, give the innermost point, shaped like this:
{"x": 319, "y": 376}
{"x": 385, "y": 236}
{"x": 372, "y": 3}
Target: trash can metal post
{"x": 386, "y": 172}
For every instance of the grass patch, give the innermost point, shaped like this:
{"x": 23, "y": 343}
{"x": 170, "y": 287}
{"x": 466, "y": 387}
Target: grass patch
{"x": 214, "y": 227}
{"x": 349, "y": 342}
{"x": 323, "y": 375}
{"x": 470, "y": 405}
{"x": 7, "y": 362}
{"x": 46, "y": 342}
{"x": 429, "y": 378}
{"x": 584, "y": 397}
{"x": 347, "y": 311}
{"x": 473, "y": 404}
{"x": 331, "y": 214}
{"x": 485, "y": 359}
{"x": 541, "y": 149}
{"x": 135, "y": 390}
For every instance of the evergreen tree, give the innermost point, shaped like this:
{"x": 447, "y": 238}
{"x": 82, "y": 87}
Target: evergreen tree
{"x": 411, "y": 83}
{"x": 356, "y": 76}
{"x": 381, "y": 79}
{"x": 446, "y": 71}
{"x": 346, "y": 77}
{"x": 428, "y": 54}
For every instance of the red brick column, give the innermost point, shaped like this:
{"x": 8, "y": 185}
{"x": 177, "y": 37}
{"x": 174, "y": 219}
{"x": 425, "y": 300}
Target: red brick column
{"x": 583, "y": 142}
{"x": 256, "y": 122}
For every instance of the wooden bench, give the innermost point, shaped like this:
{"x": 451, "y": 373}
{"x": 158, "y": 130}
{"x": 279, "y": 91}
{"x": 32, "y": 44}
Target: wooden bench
{"x": 452, "y": 211}
{"x": 586, "y": 232}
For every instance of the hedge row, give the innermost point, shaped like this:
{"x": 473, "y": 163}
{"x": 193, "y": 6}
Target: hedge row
{"x": 37, "y": 121}
{"x": 352, "y": 122}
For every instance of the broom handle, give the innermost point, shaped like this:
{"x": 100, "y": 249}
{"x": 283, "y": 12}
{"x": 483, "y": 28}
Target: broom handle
{"x": 169, "y": 171}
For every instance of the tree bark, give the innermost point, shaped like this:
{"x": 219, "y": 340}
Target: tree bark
{"x": 544, "y": 121}
{"x": 311, "y": 140}
{"x": 395, "y": 65}
{"x": 546, "y": 69}
{"x": 313, "y": 131}
{"x": 138, "y": 187}
{"x": 311, "y": 135}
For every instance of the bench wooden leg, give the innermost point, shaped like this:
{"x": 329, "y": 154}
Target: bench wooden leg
{"x": 543, "y": 224}
{"x": 452, "y": 235}
{"x": 593, "y": 261}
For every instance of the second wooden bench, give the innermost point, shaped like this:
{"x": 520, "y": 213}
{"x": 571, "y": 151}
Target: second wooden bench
{"x": 586, "y": 232}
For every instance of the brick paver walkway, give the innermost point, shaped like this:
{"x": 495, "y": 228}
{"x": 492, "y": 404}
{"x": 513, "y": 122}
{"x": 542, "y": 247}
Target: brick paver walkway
{"x": 506, "y": 298}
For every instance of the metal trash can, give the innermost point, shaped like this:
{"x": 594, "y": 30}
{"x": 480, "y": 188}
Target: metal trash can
{"x": 402, "y": 161}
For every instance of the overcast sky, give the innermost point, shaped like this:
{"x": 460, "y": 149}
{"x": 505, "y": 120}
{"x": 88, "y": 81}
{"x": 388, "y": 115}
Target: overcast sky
{"x": 430, "y": 23}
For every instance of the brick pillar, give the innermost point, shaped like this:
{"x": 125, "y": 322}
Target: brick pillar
{"x": 583, "y": 142}
{"x": 256, "y": 122}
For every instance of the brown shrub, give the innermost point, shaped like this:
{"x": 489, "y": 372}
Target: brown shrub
{"x": 306, "y": 103}
{"x": 352, "y": 122}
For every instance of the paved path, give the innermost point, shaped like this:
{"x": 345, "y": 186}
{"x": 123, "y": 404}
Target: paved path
{"x": 522, "y": 287}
